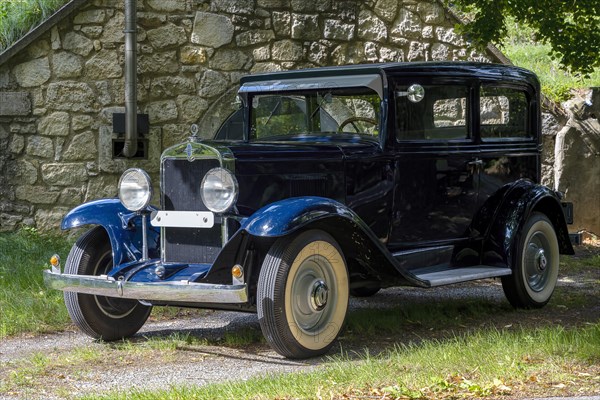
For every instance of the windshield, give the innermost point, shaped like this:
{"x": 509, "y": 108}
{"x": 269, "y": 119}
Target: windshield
{"x": 333, "y": 111}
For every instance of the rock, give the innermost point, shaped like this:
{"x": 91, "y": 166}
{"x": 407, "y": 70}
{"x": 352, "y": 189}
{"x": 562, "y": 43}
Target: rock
{"x": 80, "y": 122}
{"x": 169, "y": 35}
{"x": 233, "y": 6}
{"x": 67, "y": 65}
{"x": 82, "y": 147}
{"x": 40, "y": 146}
{"x": 78, "y": 44}
{"x": 168, "y": 6}
{"x": 431, "y": 13}
{"x": 318, "y": 53}
{"x": 270, "y": 4}
{"x": 193, "y": 55}
{"x": 416, "y": 52}
{"x": 55, "y": 38}
{"x": 348, "y": 53}
{"x": 17, "y": 144}
{"x": 212, "y": 84}
{"x": 212, "y": 30}
{"x": 90, "y": 17}
{"x": 37, "y": 194}
{"x": 151, "y": 19}
{"x": 370, "y": 27}
{"x": 32, "y": 73}
{"x": 158, "y": 63}
{"x": 64, "y": 174}
{"x": 71, "y": 96}
{"x": 311, "y": 5}
{"x": 407, "y": 24}
{"x": 93, "y": 32}
{"x": 162, "y": 111}
{"x": 102, "y": 187}
{"x": 46, "y": 220}
{"x": 103, "y": 65}
{"x": 286, "y": 50}
{"x": 447, "y": 35}
{"x": 305, "y": 27}
{"x": 71, "y": 196}
{"x": 191, "y": 108}
{"x": 55, "y": 124}
{"x": 113, "y": 29}
{"x": 262, "y": 53}
{"x": 439, "y": 52}
{"x": 281, "y": 23}
{"x": 387, "y": 9}
{"x": 22, "y": 172}
{"x": 229, "y": 60}
{"x": 254, "y": 37}
{"x": 170, "y": 86}
{"x": 15, "y": 104}
{"x": 336, "y": 30}
{"x": 265, "y": 67}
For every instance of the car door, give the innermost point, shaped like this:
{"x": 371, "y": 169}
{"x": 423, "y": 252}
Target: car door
{"x": 436, "y": 162}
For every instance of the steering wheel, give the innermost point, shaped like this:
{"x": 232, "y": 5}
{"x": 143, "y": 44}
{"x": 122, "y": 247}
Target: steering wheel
{"x": 353, "y": 120}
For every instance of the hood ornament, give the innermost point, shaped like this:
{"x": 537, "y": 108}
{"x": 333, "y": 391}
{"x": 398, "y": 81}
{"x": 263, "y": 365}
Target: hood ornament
{"x": 189, "y": 152}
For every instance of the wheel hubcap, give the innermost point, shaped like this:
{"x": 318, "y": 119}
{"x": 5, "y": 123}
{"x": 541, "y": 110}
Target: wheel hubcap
{"x": 537, "y": 262}
{"x": 541, "y": 260}
{"x": 319, "y": 295}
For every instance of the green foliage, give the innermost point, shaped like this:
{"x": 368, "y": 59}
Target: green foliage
{"x": 17, "y": 17}
{"x": 26, "y": 305}
{"x": 570, "y": 28}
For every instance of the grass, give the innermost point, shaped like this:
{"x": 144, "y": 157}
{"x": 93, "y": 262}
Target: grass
{"x": 26, "y": 305}
{"x": 17, "y": 17}
{"x": 533, "y": 360}
{"x": 524, "y": 51}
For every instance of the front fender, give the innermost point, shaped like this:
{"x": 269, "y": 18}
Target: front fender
{"x": 364, "y": 251}
{"x": 287, "y": 216}
{"x": 122, "y": 226}
{"x": 504, "y": 215}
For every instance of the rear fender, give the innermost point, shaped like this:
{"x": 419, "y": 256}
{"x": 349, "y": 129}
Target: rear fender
{"x": 504, "y": 215}
{"x": 122, "y": 226}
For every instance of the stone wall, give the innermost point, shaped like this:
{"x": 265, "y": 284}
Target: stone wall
{"x": 57, "y": 96}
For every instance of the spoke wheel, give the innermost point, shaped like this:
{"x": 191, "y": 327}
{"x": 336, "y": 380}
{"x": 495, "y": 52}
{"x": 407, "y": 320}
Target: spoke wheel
{"x": 100, "y": 317}
{"x": 303, "y": 294}
{"x": 536, "y": 265}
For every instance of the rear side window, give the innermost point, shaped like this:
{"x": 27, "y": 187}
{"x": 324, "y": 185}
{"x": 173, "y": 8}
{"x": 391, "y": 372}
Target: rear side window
{"x": 432, "y": 112}
{"x": 504, "y": 113}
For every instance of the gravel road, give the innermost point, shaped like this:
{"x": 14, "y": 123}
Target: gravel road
{"x": 198, "y": 364}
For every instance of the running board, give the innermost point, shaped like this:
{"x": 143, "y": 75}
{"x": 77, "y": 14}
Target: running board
{"x": 442, "y": 275}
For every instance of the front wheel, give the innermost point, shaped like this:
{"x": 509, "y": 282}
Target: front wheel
{"x": 303, "y": 294}
{"x": 100, "y": 317}
{"x": 535, "y": 269}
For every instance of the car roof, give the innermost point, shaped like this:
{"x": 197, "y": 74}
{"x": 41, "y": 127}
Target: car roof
{"x": 474, "y": 69}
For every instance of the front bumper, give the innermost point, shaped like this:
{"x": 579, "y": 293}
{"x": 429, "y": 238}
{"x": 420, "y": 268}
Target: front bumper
{"x": 178, "y": 291}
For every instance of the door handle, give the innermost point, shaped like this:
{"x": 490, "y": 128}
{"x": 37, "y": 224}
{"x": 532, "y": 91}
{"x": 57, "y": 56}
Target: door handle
{"x": 476, "y": 163}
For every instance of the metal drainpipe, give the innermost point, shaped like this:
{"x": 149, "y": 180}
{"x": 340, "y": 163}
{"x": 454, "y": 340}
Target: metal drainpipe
{"x": 131, "y": 134}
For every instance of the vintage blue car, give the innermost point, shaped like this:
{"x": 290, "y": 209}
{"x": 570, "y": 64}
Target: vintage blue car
{"x": 327, "y": 183}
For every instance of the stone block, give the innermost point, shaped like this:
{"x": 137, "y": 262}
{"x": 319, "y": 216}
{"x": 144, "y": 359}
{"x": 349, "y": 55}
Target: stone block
{"x": 370, "y": 27}
{"x": 103, "y": 65}
{"x": 439, "y": 52}
{"x": 80, "y": 122}
{"x": 387, "y": 9}
{"x": 90, "y": 17}
{"x": 113, "y": 29}
{"x": 286, "y": 50}
{"x": 318, "y": 53}
{"x": 262, "y": 53}
{"x": 93, "y": 32}
{"x": 233, "y": 6}
{"x": 32, "y": 73}
{"x": 14, "y": 104}
{"x": 166, "y": 36}
{"x": 55, "y": 124}
{"x": 158, "y": 63}
{"x": 212, "y": 83}
{"x": 162, "y": 111}
{"x": 254, "y": 37}
{"x": 229, "y": 60}
{"x": 72, "y": 196}
{"x": 168, "y": 6}
{"x": 191, "y": 108}
{"x": 78, "y": 44}
{"x": 67, "y": 65}
{"x": 17, "y": 144}
{"x": 337, "y": 30}
{"x": 212, "y": 30}
{"x": 194, "y": 55}
{"x": 82, "y": 147}
{"x": 37, "y": 194}
{"x": 102, "y": 187}
{"x": 305, "y": 27}
{"x": 431, "y": 13}
{"x": 22, "y": 172}
{"x": 71, "y": 96}
{"x": 271, "y": 4}
{"x": 170, "y": 86}
{"x": 64, "y": 174}
{"x": 281, "y": 23}
{"x": 40, "y": 146}
{"x": 49, "y": 220}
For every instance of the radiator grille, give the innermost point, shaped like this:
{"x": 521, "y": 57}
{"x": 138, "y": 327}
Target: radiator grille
{"x": 181, "y": 192}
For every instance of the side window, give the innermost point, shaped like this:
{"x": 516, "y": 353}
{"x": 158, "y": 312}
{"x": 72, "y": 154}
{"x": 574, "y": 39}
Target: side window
{"x": 439, "y": 112}
{"x": 504, "y": 113}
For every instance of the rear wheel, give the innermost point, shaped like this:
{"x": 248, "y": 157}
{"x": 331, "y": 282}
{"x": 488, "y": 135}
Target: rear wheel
{"x": 303, "y": 294}
{"x": 100, "y": 317}
{"x": 535, "y": 269}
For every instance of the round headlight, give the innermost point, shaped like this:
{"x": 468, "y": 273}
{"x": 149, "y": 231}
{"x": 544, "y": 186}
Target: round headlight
{"x": 135, "y": 190}
{"x": 219, "y": 190}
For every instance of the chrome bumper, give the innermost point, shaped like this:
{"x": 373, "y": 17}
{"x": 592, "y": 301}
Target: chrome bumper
{"x": 180, "y": 291}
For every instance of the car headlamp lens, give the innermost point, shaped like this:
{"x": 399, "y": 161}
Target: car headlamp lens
{"x": 135, "y": 189}
{"x": 219, "y": 190}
